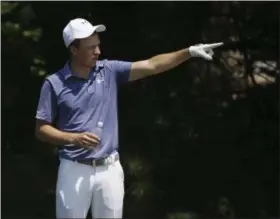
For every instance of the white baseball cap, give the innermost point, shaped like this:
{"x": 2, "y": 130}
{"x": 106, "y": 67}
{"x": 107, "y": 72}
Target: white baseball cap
{"x": 79, "y": 28}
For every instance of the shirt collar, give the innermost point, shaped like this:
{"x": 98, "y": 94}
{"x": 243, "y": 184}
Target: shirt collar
{"x": 67, "y": 73}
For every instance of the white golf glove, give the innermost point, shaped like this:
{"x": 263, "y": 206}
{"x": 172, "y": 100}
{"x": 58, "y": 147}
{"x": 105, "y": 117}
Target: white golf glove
{"x": 204, "y": 50}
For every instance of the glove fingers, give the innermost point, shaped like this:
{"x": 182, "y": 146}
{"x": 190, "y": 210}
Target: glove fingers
{"x": 212, "y": 45}
{"x": 199, "y": 51}
{"x": 206, "y": 56}
{"x": 210, "y": 52}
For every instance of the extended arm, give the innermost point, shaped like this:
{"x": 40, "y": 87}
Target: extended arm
{"x": 165, "y": 62}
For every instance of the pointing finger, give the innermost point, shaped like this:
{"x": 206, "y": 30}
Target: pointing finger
{"x": 212, "y": 45}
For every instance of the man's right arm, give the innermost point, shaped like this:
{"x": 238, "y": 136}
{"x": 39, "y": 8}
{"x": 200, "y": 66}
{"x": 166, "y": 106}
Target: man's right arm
{"x": 47, "y": 133}
{"x": 45, "y": 116}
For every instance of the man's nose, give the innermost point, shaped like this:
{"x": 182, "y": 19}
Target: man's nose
{"x": 97, "y": 50}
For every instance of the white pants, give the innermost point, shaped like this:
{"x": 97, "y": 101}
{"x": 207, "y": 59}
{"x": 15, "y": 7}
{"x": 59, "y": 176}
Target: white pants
{"x": 81, "y": 187}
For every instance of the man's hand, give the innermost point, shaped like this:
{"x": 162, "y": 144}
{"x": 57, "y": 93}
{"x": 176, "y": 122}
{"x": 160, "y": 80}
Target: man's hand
{"x": 204, "y": 50}
{"x": 86, "y": 139}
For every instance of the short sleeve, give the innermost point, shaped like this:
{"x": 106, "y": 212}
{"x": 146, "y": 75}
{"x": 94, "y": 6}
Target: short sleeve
{"x": 47, "y": 106}
{"x": 122, "y": 70}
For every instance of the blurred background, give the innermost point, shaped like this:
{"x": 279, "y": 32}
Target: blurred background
{"x": 199, "y": 141}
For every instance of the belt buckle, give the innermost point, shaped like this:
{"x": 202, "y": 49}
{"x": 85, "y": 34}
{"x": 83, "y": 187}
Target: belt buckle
{"x": 94, "y": 163}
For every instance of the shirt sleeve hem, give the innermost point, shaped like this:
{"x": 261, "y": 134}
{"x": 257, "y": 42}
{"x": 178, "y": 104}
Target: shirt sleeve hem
{"x": 44, "y": 118}
{"x": 127, "y": 73}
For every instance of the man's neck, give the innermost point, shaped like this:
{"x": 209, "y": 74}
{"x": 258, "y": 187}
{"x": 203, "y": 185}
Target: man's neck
{"x": 79, "y": 70}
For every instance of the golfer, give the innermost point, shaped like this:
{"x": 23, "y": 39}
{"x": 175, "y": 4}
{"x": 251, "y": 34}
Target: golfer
{"x": 77, "y": 112}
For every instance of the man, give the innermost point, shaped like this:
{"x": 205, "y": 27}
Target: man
{"x": 80, "y": 99}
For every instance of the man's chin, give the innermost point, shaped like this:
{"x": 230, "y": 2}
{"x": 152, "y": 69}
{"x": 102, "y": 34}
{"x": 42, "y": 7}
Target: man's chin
{"x": 92, "y": 64}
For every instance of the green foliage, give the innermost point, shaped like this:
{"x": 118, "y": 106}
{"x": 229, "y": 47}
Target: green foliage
{"x": 181, "y": 215}
{"x": 7, "y": 7}
{"x": 20, "y": 36}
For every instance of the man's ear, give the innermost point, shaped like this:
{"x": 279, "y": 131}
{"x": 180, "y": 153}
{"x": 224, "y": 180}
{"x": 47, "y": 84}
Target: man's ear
{"x": 73, "y": 50}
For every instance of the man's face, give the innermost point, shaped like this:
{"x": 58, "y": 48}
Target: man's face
{"x": 88, "y": 51}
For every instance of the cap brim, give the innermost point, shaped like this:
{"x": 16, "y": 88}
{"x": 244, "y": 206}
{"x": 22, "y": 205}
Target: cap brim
{"x": 99, "y": 28}
{"x": 94, "y": 29}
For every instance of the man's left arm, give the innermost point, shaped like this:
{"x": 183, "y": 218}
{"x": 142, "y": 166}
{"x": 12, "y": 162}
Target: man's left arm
{"x": 167, "y": 61}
